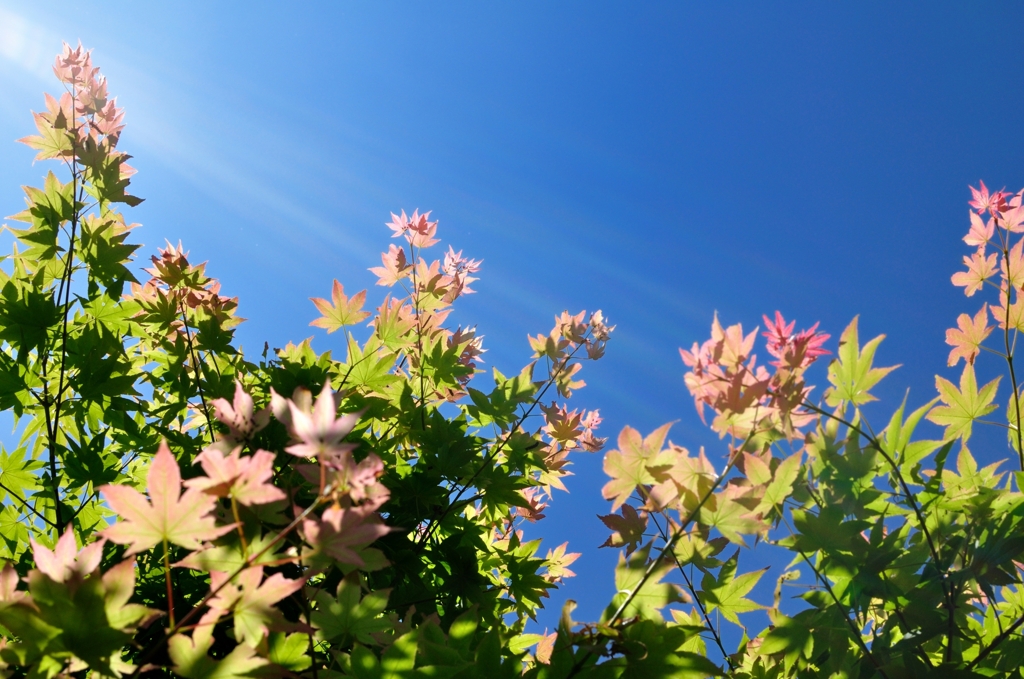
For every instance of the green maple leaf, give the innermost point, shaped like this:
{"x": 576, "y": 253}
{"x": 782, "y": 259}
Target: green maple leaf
{"x": 290, "y": 651}
{"x": 726, "y": 593}
{"x": 781, "y": 485}
{"x": 252, "y": 599}
{"x": 16, "y": 472}
{"x": 348, "y": 616}
{"x": 653, "y": 650}
{"x": 369, "y": 367}
{"x": 653, "y": 594}
{"x": 341, "y": 311}
{"x": 500, "y": 405}
{"x": 851, "y": 373}
{"x": 191, "y": 661}
{"x": 732, "y": 518}
{"x": 963, "y": 405}
{"x": 628, "y": 464}
{"x": 396, "y": 662}
{"x": 53, "y": 140}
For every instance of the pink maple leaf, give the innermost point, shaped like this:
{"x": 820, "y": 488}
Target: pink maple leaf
{"x": 168, "y": 515}
{"x": 320, "y": 431}
{"x": 1012, "y": 265}
{"x": 981, "y": 232}
{"x": 238, "y": 416}
{"x": 966, "y": 339}
{"x": 982, "y": 200}
{"x": 65, "y": 562}
{"x": 342, "y": 532}
{"x": 416, "y": 229}
{"x": 979, "y": 269}
{"x": 243, "y": 478}
{"x": 395, "y": 266}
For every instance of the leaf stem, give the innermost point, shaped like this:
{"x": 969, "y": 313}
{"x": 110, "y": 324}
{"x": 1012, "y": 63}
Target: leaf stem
{"x": 167, "y": 579}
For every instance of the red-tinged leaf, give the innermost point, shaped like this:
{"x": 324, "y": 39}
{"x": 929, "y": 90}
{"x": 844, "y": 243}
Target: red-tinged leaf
{"x": 627, "y": 528}
{"x": 343, "y": 311}
{"x": 966, "y": 339}
{"x": 167, "y": 515}
{"x": 982, "y": 200}
{"x": 979, "y": 269}
{"x": 628, "y": 465}
{"x": 564, "y": 381}
{"x": 54, "y": 140}
{"x": 964, "y": 405}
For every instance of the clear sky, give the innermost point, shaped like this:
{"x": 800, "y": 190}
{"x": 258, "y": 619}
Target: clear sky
{"x": 659, "y": 161}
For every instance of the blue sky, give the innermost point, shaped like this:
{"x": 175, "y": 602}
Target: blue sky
{"x": 659, "y": 161}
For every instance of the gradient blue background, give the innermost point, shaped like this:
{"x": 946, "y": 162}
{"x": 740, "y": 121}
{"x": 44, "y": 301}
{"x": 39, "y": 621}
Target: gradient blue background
{"x": 659, "y": 161}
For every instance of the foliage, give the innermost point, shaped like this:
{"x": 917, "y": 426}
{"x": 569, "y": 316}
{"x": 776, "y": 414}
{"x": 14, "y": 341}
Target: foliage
{"x": 231, "y": 523}
{"x": 173, "y": 505}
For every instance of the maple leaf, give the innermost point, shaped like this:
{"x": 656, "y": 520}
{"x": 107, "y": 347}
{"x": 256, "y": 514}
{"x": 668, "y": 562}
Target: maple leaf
{"x": 417, "y": 230}
{"x": 1014, "y": 316}
{"x": 191, "y": 659}
{"x": 979, "y": 269}
{"x": 251, "y": 601}
{"x": 851, "y": 373}
{"x": 728, "y": 512}
{"x": 341, "y": 311}
{"x": 627, "y": 529}
{"x": 341, "y": 533}
{"x": 183, "y": 519}
{"x": 967, "y": 338}
{"x": 628, "y": 465}
{"x": 1012, "y": 265}
{"x": 65, "y": 562}
{"x": 982, "y": 200}
{"x": 349, "y": 616}
{"x": 238, "y": 415}
{"x": 1012, "y": 218}
{"x": 55, "y": 139}
{"x": 732, "y": 346}
{"x": 679, "y": 476}
{"x": 963, "y": 405}
{"x": 561, "y": 424}
{"x": 319, "y": 431}
{"x": 726, "y": 593}
{"x": 243, "y": 478}
{"x": 981, "y": 232}
{"x": 395, "y": 266}
{"x": 649, "y": 594}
